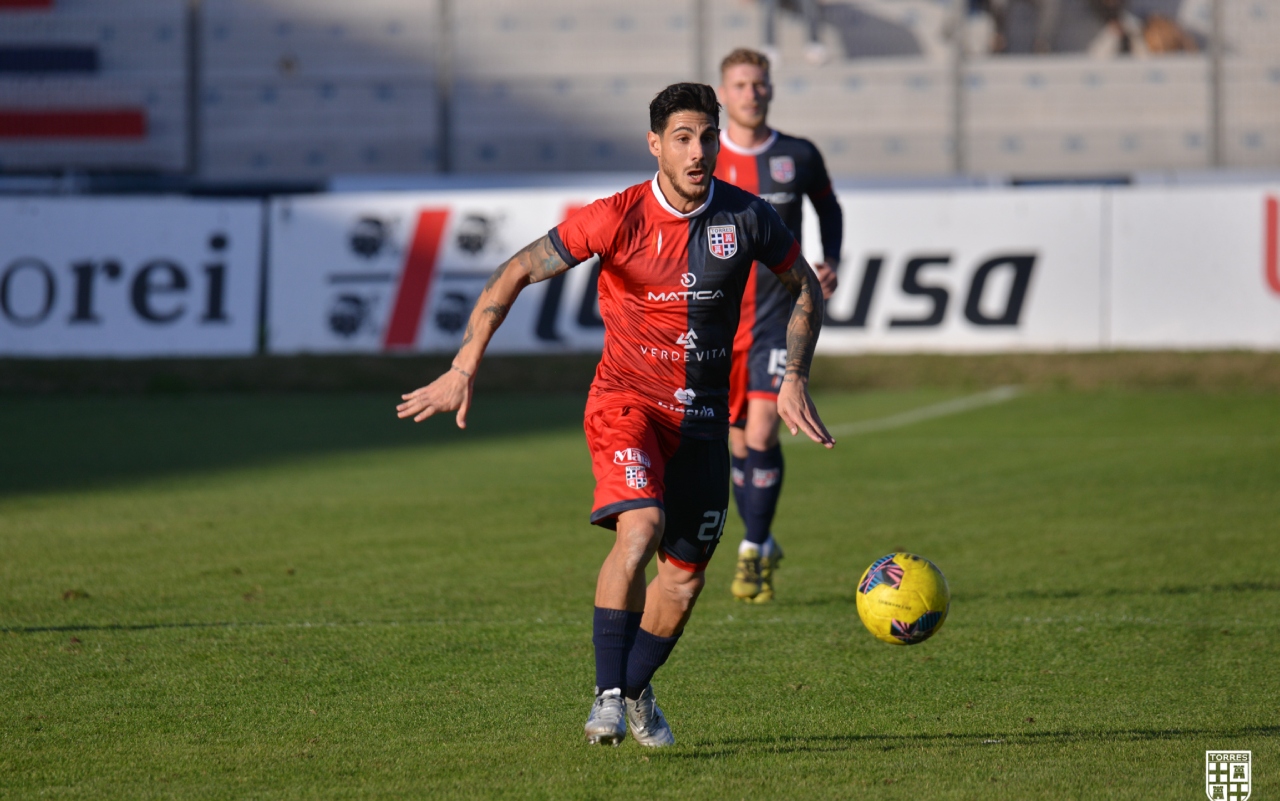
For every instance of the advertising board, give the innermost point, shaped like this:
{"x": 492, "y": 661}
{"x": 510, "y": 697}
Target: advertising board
{"x": 400, "y": 272}
{"x": 1195, "y": 268}
{"x": 129, "y": 277}
{"x": 971, "y": 270}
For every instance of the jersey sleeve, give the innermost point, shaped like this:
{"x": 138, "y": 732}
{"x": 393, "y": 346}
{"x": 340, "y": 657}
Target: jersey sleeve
{"x": 586, "y": 232}
{"x": 775, "y": 247}
{"x": 830, "y": 216}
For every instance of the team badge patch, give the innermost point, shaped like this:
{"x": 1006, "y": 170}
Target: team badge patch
{"x": 782, "y": 169}
{"x": 637, "y": 478}
{"x": 723, "y": 240}
{"x": 763, "y": 479}
{"x": 1228, "y": 775}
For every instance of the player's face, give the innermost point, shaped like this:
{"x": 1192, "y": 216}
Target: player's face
{"x": 687, "y": 152}
{"x": 745, "y": 91}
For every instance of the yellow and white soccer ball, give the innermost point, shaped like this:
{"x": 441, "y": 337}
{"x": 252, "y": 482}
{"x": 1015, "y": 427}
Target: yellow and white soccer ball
{"x": 903, "y": 599}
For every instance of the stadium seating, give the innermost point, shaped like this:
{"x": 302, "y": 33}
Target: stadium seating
{"x": 296, "y": 90}
{"x": 1028, "y": 116}
{"x": 563, "y": 86}
{"x": 301, "y": 90}
{"x": 88, "y": 85}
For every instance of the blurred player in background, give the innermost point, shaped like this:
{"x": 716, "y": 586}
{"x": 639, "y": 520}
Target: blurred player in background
{"x": 781, "y": 169}
{"x": 676, "y": 254}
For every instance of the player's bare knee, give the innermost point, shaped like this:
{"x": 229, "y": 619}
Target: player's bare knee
{"x": 639, "y": 533}
{"x": 763, "y": 442}
{"x": 693, "y": 588}
{"x": 761, "y": 433}
{"x": 635, "y": 548}
{"x": 681, "y": 592}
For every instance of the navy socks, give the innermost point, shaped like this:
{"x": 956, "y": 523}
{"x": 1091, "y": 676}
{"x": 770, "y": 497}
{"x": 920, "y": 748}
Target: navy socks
{"x": 762, "y": 485}
{"x": 613, "y": 632}
{"x": 627, "y": 656}
{"x": 648, "y": 654}
{"x": 738, "y": 471}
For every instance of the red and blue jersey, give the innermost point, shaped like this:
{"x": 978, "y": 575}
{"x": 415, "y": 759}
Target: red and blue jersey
{"x": 671, "y": 287}
{"x": 782, "y": 170}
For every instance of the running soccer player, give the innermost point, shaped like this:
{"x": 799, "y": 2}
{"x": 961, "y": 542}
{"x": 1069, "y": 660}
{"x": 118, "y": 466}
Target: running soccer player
{"x": 675, "y": 253}
{"x": 781, "y": 169}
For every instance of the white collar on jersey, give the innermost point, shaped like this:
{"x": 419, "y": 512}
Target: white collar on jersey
{"x": 662, "y": 200}
{"x": 734, "y": 147}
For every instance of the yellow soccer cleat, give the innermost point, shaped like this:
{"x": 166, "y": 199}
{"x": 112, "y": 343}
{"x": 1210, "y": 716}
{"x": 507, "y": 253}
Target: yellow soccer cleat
{"x": 767, "y": 565}
{"x": 747, "y": 580}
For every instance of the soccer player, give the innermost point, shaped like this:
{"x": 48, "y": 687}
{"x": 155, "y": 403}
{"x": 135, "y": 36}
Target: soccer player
{"x": 676, "y": 253}
{"x": 780, "y": 169}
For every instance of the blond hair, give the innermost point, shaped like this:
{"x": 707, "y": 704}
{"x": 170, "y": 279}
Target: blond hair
{"x": 745, "y": 55}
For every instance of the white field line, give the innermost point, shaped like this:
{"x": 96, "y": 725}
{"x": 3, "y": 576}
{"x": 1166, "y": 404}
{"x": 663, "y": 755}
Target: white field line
{"x": 931, "y": 412}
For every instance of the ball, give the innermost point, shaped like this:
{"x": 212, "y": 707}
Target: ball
{"x": 903, "y": 599}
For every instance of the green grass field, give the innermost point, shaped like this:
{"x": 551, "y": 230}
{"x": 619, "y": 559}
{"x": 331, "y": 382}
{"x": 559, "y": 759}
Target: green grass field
{"x": 249, "y": 596}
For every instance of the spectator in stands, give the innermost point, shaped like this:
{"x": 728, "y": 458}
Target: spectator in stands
{"x": 866, "y": 35}
{"x": 1121, "y": 32}
{"x": 1046, "y": 25}
{"x": 815, "y": 51}
{"x": 1163, "y": 35}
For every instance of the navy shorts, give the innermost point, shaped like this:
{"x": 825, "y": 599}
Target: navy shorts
{"x": 760, "y": 346}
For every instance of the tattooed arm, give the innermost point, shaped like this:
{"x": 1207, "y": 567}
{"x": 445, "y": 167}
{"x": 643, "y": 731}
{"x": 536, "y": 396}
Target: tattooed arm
{"x": 536, "y": 262}
{"x": 795, "y": 407}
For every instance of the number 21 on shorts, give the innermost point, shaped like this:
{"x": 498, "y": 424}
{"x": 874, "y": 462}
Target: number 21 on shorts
{"x": 711, "y": 530}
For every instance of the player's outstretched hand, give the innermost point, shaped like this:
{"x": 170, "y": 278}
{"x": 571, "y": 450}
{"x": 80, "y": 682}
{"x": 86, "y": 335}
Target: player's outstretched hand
{"x": 827, "y": 278}
{"x": 798, "y": 413}
{"x": 448, "y": 392}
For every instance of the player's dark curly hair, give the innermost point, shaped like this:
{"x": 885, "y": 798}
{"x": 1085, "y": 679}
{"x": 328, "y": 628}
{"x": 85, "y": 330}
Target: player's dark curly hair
{"x": 682, "y": 97}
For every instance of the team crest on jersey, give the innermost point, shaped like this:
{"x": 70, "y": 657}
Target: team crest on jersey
{"x": 723, "y": 240}
{"x": 782, "y": 169}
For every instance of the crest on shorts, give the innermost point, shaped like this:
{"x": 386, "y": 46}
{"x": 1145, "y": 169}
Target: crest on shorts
{"x": 782, "y": 169}
{"x": 723, "y": 240}
{"x": 1228, "y": 775}
{"x": 637, "y": 478}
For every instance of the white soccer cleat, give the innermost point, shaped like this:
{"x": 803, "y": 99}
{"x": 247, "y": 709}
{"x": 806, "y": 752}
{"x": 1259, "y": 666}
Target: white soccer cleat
{"x": 648, "y": 724}
{"x": 607, "y": 722}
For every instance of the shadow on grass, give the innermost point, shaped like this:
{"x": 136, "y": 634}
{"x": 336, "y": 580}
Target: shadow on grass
{"x": 71, "y": 628}
{"x": 55, "y": 444}
{"x": 890, "y": 742}
{"x": 80, "y": 627}
{"x": 848, "y": 599}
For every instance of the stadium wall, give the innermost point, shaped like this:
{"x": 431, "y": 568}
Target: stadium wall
{"x": 963, "y": 271}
